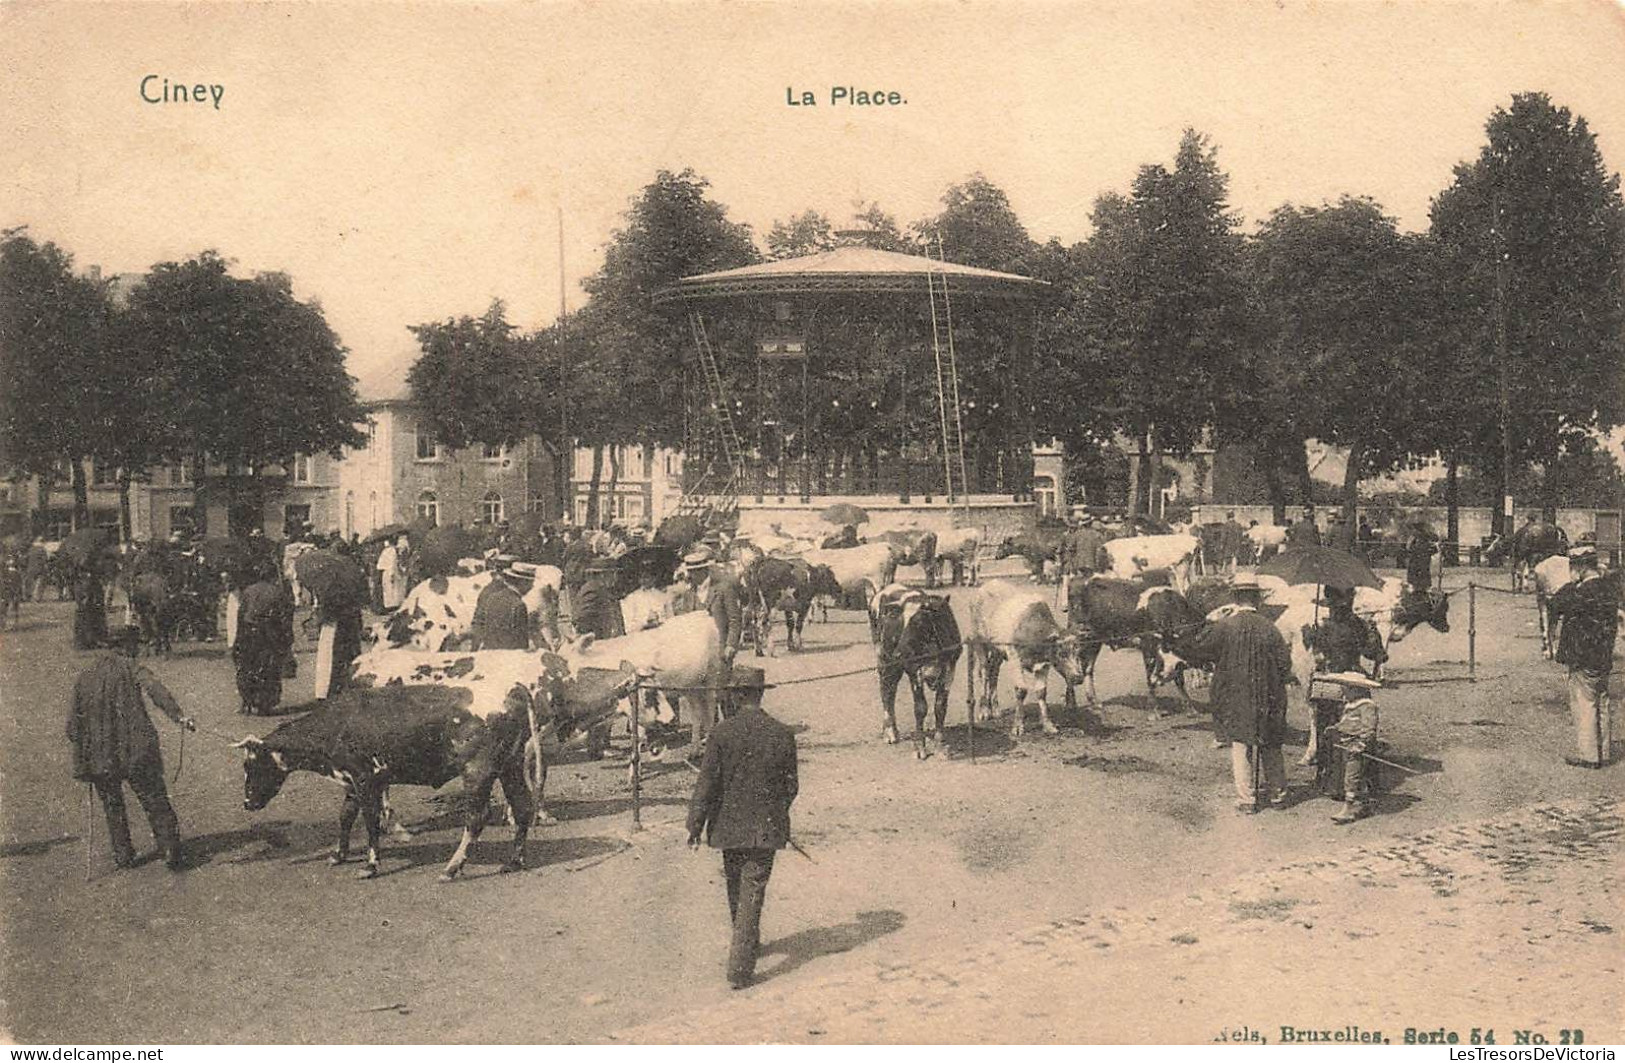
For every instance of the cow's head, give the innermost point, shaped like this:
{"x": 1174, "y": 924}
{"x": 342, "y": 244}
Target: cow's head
{"x": 1067, "y": 653}
{"x": 264, "y": 772}
{"x": 821, "y": 581}
{"x": 1413, "y": 610}
{"x": 1008, "y": 547}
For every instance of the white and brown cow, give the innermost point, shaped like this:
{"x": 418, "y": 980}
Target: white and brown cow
{"x": 438, "y": 614}
{"x": 1011, "y": 621}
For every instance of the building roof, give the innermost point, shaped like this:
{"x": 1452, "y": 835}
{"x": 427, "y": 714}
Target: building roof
{"x": 851, "y": 270}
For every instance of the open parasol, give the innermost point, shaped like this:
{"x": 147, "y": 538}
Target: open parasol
{"x": 662, "y": 560}
{"x": 333, "y": 579}
{"x": 1324, "y": 565}
{"x": 844, "y": 513}
{"x": 441, "y": 549}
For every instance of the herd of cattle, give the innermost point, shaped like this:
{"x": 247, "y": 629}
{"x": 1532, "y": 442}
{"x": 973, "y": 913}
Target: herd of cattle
{"x": 422, "y": 711}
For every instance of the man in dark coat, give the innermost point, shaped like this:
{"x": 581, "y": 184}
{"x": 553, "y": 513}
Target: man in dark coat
{"x": 114, "y": 743}
{"x": 595, "y": 608}
{"x": 1252, "y": 666}
{"x": 1340, "y": 642}
{"x": 264, "y": 642}
{"x": 741, "y": 804}
{"x": 1589, "y": 607}
{"x": 501, "y": 621}
{"x": 35, "y": 568}
{"x": 1419, "y": 553}
{"x": 89, "y": 609}
{"x": 1303, "y": 532}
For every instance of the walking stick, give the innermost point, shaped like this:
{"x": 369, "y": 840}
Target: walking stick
{"x": 1472, "y": 631}
{"x": 90, "y": 835}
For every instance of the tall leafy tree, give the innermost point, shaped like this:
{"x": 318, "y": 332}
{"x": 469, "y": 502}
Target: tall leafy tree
{"x": 1531, "y": 235}
{"x": 54, "y": 365}
{"x": 243, "y": 372}
{"x": 1164, "y": 309}
{"x": 632, "y": 392}
{"x": 1339, "y": 292}
{"x": 804, "y": 234}
{"x": 476, "y": 380}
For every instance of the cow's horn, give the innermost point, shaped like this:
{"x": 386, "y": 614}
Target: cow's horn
{"x": 248, "y": 742}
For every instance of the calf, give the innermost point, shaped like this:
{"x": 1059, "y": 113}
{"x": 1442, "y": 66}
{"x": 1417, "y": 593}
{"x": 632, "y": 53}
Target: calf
{"x": 1013, "y": 621}
{"x": 791, "y": 586}
{"x": 914, "y": 547}
{"x": 961, "y": 548}
{"x": 452, "y": 721}
{"x": 1035, "y": 546}
{"x": 1118, "y": 613}
{"x": 919, "y": 638}
{"x": 155, "y": 609}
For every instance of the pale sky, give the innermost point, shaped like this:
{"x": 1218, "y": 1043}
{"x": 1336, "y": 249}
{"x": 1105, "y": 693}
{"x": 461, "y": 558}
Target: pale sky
{"x": 405, "y": 162}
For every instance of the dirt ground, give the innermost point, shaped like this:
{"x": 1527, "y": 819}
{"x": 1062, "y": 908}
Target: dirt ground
{"x": 260, "y": 941}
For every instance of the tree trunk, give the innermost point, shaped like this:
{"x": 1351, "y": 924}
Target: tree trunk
{"x": 200, "y": 507}
{"x": 1452, "y": 513}
{"x": 126, "y": 532}
{"x": 614, "y": 480}
{"x": 81, "y": 494}
{"x": 1274, "y": 484}
{"x": 1139, "y": 502}
{"x": 594, "y": 484}
{"x": 1351, "y": 493}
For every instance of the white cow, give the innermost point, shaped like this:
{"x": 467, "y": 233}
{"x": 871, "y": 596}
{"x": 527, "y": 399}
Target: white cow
{"x": 1133, "y": 556}
{"x": 1014, "y": 621}
{"x": 649, "y": 607}
{"x": 1267, "y": 540}
{"x": 1550, "y": 576}
{"x": 961, "y": 548}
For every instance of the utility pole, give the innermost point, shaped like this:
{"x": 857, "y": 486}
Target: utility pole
{"x": 1502, "y": 374}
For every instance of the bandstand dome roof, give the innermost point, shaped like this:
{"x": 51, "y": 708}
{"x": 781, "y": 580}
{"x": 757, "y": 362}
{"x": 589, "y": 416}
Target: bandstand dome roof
{"x": 851, "y": 270}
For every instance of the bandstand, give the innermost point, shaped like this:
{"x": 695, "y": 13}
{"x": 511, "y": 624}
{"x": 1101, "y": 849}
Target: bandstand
{"x": 897, "y": 382}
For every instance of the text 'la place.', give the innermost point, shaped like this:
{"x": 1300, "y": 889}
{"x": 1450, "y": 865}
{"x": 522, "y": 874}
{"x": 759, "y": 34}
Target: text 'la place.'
{"x": 845, "y": 96}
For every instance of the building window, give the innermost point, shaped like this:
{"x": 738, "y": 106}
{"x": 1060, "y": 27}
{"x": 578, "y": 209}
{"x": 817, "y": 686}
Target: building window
{"x": 429, "y": 507}
{"x": 294, "y": 519}
{"x": 428, "y": 448}
{"x": 301, "y": 468}
{"x": 538, "y": 504}
{"x": 491, "y": 508}
{"x": 180, "y": 474}
{"x": 581, "y": 511}
{"x": 493, "y": 451}
{"x": 102, "y": 473}
{"x": 632, "y": 508}
{"x": 181, "y": 520}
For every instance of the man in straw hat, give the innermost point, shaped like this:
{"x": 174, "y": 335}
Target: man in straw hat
{"x": 713, "y": 588}
{"x": 500, "y": 621}
{"x": 1589, "y": 608}
{"x": 1252, "y": 666}
{"x": 741, "y": 803}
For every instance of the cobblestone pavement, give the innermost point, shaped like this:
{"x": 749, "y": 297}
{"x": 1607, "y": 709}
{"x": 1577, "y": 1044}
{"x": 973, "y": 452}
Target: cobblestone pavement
{"x": 1507, "y": 924}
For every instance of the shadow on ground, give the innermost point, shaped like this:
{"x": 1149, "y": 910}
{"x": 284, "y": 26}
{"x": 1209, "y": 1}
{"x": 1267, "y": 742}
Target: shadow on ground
{"x": 804, "y": 946}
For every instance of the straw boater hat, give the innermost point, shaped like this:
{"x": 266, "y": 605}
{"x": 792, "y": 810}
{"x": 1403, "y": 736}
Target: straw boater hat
{"x": 1583, "y": 551}
{"x": 1246, "y": 581}
{"x": 696, "y": 559}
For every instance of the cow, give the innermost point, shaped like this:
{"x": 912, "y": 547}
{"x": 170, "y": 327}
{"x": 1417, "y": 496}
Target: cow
{"x": 919, "y": 638}
{"x": 915, "y": 546}
{"x": 438, "y": 614}
{"x": 961, "y": 549}
{"x": 1107, "y": 612}
{"x": 791, "y": 586}
{"x": 154, "y": 609}
{"x": 683, "y": 654}
{"x": 1265, "y": 541}
{"x": 370, "y": 738}
{"x": 1034, "y": 546}
{"x": 1012, "y": 621}
{"x": 866, "y": 568}
{"x": 1135, "y": 556}
{"x": 1550, "y": 574}
{"x": 1532, "y": 544}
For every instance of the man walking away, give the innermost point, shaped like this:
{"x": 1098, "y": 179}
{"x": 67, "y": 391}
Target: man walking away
{"x": 1589, "y": 607}
{"x": 1252, "y": 666}
{"x": 264, "y": 642}
{"x": 742, "y": 803}
{"x": 500, "y": 619}
{"x": 114, "y": 743}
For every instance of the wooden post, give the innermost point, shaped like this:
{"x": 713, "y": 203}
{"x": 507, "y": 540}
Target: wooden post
{"x": 1472, "y": 631}
{"x": 637, "y": 759}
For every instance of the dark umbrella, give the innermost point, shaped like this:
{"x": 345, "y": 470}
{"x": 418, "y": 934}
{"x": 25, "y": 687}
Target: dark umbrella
{"x": 1325, "y": 565}
{"x": 662, "y": 560}
{"x": 388, "y": 531}
{"x": 442, "y": 548}
{"x": 84, "y": 546}
{"x": 680, "y": 531}
{"x": 336, "y": 580}
{"x": 844, "y": 513}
